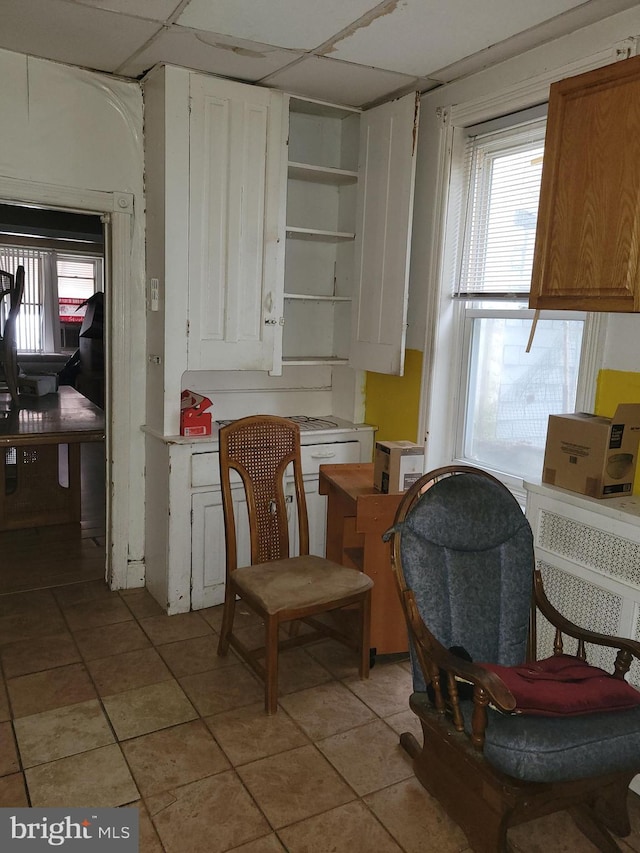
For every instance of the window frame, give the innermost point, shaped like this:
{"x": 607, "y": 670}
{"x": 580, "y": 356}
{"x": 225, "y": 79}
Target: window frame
{"x": 591, "y": 345}
{"x": 50, "y": 333}
{"x": 443, "y": 424}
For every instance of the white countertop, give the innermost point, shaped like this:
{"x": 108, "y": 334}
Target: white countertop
{"x": 625, "y": 508}
{"x": 343, "y": 429}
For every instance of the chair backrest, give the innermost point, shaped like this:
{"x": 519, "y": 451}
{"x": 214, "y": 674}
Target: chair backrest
{"x": 261, "y": 449}
{"x": 14, "y": 292}
{"x": 465, "y": 549}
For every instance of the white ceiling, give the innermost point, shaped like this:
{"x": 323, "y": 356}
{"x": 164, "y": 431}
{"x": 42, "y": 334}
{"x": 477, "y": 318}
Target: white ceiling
{"x": 353, "y": 52}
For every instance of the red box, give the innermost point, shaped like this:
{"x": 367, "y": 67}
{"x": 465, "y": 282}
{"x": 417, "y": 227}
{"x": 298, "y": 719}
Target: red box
{"x": 194, "y": 420}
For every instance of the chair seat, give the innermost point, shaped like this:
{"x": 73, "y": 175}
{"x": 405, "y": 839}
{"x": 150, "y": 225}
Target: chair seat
{"x": 299, "y": 582}
{"x": 556, "y": 749}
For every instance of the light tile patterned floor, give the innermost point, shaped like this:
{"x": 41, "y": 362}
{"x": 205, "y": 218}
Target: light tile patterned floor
{"x": 106, "y": 701}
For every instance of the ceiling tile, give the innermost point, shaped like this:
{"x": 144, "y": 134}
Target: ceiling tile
{"x": 420, "y": 36}
{"x": 153, "y": 10}
{"x": 338, "y": 82}
{"x": 297, "y": 24}
{"x": 66, "y": 32}
{"x": 201, "y": 51}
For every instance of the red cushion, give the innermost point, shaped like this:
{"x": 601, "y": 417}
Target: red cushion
{"x": 564, "y": 685}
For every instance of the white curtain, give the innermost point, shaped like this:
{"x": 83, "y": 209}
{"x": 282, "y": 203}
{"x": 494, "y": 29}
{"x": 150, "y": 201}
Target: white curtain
{"x": 38, "y": 326}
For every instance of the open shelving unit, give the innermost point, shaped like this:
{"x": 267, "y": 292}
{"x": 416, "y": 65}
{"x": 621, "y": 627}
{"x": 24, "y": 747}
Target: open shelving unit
{"x": 321, "y": 208}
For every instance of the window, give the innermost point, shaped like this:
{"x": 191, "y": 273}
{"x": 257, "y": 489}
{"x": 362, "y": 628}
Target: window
{"x": 506, "y": 393}
{"x": 56, "y": 286}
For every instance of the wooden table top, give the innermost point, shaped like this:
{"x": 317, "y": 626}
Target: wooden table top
{"x": 62, "y": 418}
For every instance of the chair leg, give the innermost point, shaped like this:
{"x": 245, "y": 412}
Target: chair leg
{"x": 227, "y": 620}
{"x": 365, "y": 636}
{"x": 271, "y": 665}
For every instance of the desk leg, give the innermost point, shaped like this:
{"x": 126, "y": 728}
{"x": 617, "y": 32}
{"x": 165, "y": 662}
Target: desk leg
{"x": 75, "y": 496}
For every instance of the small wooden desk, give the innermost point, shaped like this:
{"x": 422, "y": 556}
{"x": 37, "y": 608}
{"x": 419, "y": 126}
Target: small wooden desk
{"x": 357, "y": 516}
{"x": 34, "y": 495}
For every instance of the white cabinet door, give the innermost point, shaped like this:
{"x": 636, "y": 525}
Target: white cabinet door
{"x": 208, "y": 545}
{"x": 388, "y": 137}
{"x": 236, "y": 225}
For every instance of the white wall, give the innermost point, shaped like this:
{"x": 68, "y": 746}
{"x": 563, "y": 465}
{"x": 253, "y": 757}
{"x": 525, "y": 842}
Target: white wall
{"x": 76, "y": 130}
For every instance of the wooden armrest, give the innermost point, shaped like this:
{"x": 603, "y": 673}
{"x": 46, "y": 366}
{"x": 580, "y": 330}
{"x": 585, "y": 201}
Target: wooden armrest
{"x": 632, "y": 647}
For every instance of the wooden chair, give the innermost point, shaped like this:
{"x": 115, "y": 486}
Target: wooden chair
{"x": 9, "y": 370}
{"x": 463, "y": 558}
{"x": 264, "y": 451}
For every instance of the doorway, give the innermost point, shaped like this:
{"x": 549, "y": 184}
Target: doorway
{"x": 60, "y": 337}
{"x": 124, "y": 380}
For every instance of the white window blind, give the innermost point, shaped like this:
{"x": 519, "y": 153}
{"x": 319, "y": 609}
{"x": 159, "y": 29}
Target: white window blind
{"x": 503, "y": 169}
{"x": 76, "y": 277}
{"x": 55, "y": 285}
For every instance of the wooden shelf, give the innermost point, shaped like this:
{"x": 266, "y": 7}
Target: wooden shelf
{"x": 313, "y": 106}
{"x": 322, "y": 174}
{"x": 320, "y": 236}
{"x": 312, "y": 297}
{"x": 313, "y": 360}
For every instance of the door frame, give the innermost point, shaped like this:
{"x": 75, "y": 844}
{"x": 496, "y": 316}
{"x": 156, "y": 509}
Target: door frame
{"x": 116, "y": 209}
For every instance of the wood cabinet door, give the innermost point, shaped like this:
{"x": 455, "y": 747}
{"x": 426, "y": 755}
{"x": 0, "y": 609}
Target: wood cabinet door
{"x": 388, "y": 137}
{"x": 237, "y": 187}
{"x": 588, "y": 233}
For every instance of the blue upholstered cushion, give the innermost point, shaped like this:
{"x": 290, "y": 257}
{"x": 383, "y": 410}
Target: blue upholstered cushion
{"x": 467, "y": 554}
{"x": 556, "y": 749}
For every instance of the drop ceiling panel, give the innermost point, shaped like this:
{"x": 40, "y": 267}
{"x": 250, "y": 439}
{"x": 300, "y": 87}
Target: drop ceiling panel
{"x": 71, "y": 33}
{"x": 205, "y": 52}
{"x": 421, "y": 36}
{"x": 337, "y": 82}
{"x": 153, "y": 10}
{"x": 297, "y": 24}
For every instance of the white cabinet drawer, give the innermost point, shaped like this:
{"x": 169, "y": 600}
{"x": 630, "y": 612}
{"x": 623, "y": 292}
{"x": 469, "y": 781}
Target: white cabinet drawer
{"x": 205, "y": 467}
{"x": 315, "y": 455}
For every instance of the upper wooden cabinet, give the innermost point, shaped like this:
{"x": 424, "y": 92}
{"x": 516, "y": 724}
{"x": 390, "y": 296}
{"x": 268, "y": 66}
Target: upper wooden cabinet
{"x": 588, "y": 233}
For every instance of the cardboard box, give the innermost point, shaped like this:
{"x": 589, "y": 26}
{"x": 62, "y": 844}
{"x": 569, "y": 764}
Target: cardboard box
{"x": 593, "y": 455}
{"x": 194, "y": 420}
{"x": 38, "y": 385}
{"x": 397, "y": 465}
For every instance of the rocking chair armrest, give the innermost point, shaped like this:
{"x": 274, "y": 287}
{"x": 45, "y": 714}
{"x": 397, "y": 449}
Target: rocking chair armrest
{"x": 632, "y": 647}
{"x": 496, "y": 690}
{"x": 432, "y": 656}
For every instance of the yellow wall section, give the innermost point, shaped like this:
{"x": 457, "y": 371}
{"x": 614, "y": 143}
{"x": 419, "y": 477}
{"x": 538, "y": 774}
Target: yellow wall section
{"x": 613, "y": 387}
{"x": 393, "y": 402}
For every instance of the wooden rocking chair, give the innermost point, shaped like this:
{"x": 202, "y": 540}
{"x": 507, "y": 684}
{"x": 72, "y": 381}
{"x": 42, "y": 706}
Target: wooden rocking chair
{"x": 463, "y": 557}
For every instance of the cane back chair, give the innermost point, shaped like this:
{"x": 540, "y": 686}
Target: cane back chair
{"x": 264, "y": 450}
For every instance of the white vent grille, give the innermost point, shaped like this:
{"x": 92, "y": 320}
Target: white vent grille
{"x": 604, "y": 552}
{"x": 586, "y": 605}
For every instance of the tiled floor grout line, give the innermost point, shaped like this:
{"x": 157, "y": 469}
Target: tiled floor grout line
{"x": 138, "y": 615}
{"x": 313, "y": 742}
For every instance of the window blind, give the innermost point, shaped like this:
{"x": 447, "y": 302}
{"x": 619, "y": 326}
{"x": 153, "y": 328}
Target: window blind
{"x": 503, "y": 170}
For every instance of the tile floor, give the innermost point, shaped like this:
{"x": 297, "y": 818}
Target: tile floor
{"x": 106, "y": 701}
